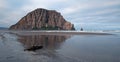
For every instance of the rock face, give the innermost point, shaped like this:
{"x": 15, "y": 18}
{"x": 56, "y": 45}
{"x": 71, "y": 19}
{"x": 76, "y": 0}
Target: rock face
{"x": 43, "y": 19}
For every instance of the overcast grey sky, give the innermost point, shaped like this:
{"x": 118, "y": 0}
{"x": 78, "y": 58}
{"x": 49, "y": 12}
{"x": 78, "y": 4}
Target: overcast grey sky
{"x": 83, "y": 13}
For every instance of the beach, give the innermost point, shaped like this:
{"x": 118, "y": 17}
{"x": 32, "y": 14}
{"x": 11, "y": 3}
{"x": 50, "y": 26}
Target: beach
{"x": 59, "y": 46}
{"x": 62, "y": 32}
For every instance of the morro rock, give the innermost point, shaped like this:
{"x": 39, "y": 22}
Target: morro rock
{"x": 43, "y": 19}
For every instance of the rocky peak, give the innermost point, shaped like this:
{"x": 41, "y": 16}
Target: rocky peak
{"x": 43, "y": 19}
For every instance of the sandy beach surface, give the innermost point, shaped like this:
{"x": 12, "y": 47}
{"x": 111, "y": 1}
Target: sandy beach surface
{"x": 59, "y": 46}
{"x": 58, "y": 32}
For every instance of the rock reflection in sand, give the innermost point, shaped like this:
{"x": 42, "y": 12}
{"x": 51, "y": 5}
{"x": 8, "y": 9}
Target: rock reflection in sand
{"x": 13, "y": 49}
{"x": 47, "y": 41}
{"x": 50, "y": 44}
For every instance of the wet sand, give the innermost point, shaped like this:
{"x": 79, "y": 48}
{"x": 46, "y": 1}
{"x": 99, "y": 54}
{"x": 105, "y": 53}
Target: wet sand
{"x": 63, "y": 46}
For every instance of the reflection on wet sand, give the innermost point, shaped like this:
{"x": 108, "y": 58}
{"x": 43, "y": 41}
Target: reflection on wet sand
{"x": 13, "y": 50}
{"x": 47, "y": 41}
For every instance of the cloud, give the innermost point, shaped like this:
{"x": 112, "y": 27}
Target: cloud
{"x": 33, "y": 4}
{"x": 70, "y": 10}
{"x": 81, "y": 6}
{"x": 9, "y": 20}
{"x": 3, "y": 4}
{"x": 75, "y": 11}
{"x": 3, "y": 7}
{"x": 94, "y": 12}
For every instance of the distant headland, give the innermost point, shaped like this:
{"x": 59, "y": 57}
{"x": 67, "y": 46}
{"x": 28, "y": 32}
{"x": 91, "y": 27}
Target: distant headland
{"x": 43, "y": 19}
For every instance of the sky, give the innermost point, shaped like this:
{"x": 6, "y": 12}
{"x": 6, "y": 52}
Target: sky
{"x": 99, "y": 14}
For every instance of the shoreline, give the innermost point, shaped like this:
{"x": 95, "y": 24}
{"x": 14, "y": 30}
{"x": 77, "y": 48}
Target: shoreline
{"x": 58, "y": 33}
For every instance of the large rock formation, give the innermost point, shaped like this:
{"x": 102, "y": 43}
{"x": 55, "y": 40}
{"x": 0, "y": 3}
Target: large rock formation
{"x": 43, "y": 19}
